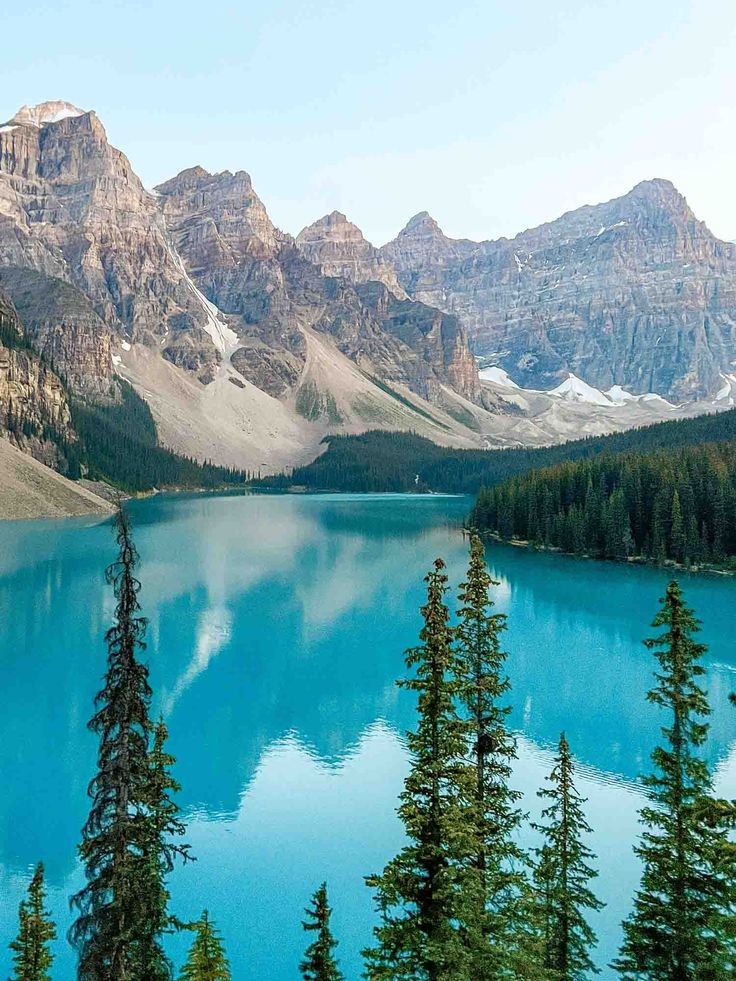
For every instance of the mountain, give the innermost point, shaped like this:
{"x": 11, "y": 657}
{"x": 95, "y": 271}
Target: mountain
{"x": 243, "y": 348}
{"x": 246, "y": 347}
{"x": 72, "y": 208}
{"x": 338, "y": 247}
{"x": 635, "y": 292}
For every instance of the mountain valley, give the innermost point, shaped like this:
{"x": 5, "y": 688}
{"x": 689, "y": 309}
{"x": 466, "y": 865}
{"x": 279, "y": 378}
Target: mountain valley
{"x": 249, "y": 346}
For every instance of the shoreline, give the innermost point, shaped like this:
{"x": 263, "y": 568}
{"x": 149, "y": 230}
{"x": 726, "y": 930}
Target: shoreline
{"x": 637, "y": 560}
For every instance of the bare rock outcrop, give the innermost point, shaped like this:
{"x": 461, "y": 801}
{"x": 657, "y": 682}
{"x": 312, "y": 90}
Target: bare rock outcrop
{"x": 61, "y": 323}
{"x": 339, "y": 248}
{"x": 634, "y": 292}
{"x": 72, "y": 207}
{"x": 34, "y": 409}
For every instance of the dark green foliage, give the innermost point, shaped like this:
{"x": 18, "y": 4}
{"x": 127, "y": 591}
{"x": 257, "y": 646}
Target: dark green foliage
{"x": 681, "y": 926}
{"x": 162, "y": 828}
{"x": 385, "y": 461}
{"x": 675, "y": 505}
{"x": 497, "y": 863}
{"x": 206, "y": 960}
{"x": 319, "y": 962}
{"x": 115, "y": 847}
{"x": 32, "y": 958}
{"x": 563, "y": 874}
{"x": 118, "y": 444}
{"x": 419, "y": 895}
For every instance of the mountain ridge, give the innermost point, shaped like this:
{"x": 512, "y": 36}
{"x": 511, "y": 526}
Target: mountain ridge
{"x": 250, "y": 345}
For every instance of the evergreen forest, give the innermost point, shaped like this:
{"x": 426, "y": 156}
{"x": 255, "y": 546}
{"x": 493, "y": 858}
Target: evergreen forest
{"x": 406, "y": 463}
{"x": 669, "y": 505}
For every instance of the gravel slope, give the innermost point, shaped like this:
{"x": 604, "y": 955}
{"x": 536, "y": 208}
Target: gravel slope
{"x": 28, "y": 489}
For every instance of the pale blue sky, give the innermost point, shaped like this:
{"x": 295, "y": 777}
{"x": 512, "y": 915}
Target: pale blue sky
{"x": 493, "y": 116}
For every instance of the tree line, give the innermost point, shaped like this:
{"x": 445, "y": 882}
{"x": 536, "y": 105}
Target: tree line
{"x": 461, "y": 901}
{"x": 404, "y": 462}
{"x": 671, "y": 505}
{"x": 111, "y": 441}
{"x": 118, "y": 443}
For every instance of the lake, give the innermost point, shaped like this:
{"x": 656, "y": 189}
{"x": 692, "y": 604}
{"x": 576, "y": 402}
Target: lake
{"x": 277, "y": 626}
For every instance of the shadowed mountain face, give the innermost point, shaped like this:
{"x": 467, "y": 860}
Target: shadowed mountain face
{"x": 634, "y": 292}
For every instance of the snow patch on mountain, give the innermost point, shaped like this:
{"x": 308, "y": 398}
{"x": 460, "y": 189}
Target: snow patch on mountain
{"x": 45, "y": 113}
{"x": 574, "y": 389}
{"x": 725, "y": 393}
{"x": 225, "y": 339}
{"x": 620, "y": 396}
{"x": 497, "y": 375}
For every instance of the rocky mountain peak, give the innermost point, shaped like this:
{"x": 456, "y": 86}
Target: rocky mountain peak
{"x": 45, "y": 113}
{"x": 334, "y": 227}
{"x": 216, "y": 217}
{"x": 339, "y": 248}
{"x": 422, "y": 223}
{"x": 634, "y": 291}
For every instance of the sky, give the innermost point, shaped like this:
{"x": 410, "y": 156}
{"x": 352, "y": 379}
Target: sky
{"x": 493, "y": 116}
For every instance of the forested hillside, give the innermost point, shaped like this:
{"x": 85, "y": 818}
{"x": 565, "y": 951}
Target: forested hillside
{"x": 402, "y": 462}
{"x": 669, "y": 504}
{"x": 117, "y": 443}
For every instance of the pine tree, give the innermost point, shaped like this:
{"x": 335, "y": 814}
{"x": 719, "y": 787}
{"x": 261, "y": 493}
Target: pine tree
{"x": 677, "y": 530}
{"x": 497, "y": 861}
{"x": 206, "y": 960}
{"x": 679, "y": 928}
{"x": 319, "y": 962}
{"x": 112, "y": 906}
{"x": 162, "y": 826}
{"x": 32, "y": 958}
{"x": 562, "y": 875}
{"x": 420, "y": 896}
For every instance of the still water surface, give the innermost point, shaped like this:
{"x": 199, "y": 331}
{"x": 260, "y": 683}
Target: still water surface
{"x": 277, "y": 626}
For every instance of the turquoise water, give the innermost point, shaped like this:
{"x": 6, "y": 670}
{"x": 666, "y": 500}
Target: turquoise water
{"x": 277, "y": 626}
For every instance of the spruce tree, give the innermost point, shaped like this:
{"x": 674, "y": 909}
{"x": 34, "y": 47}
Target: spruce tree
{"x": 563, "y": 874}
{"x": 206, "y": 960}
{"x": 32, "y": 958}
{"x": 319, "y": 962}
{"x": 162, "y": 827}
{"x": 681, "y": 926}
{"x": 420, "y": 896}
{"x": 112, "y": 906}
{"x": 496, "y": 937}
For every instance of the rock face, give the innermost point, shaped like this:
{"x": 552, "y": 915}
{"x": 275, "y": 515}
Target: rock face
{"x": 271, "y": 291}
{"x": 71, "y": 207}
{"x": 63, "y": 326}
{"x": 635, "y": 292}
{"x": 338, "y": 247}
{"x": 34, "y": 411}
{"x": 438, "y": 337}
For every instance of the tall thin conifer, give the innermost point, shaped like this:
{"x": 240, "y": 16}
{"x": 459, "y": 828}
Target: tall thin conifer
{"x": 563, "y": 873}
{"x": 319, "y": 962}
{"x": 496, "y": 937}
{"x": 681, "y": 926}
{"x": 419, "y": 895}
{"x": 32, "y": 957}
{"x": 111, "y": 906}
